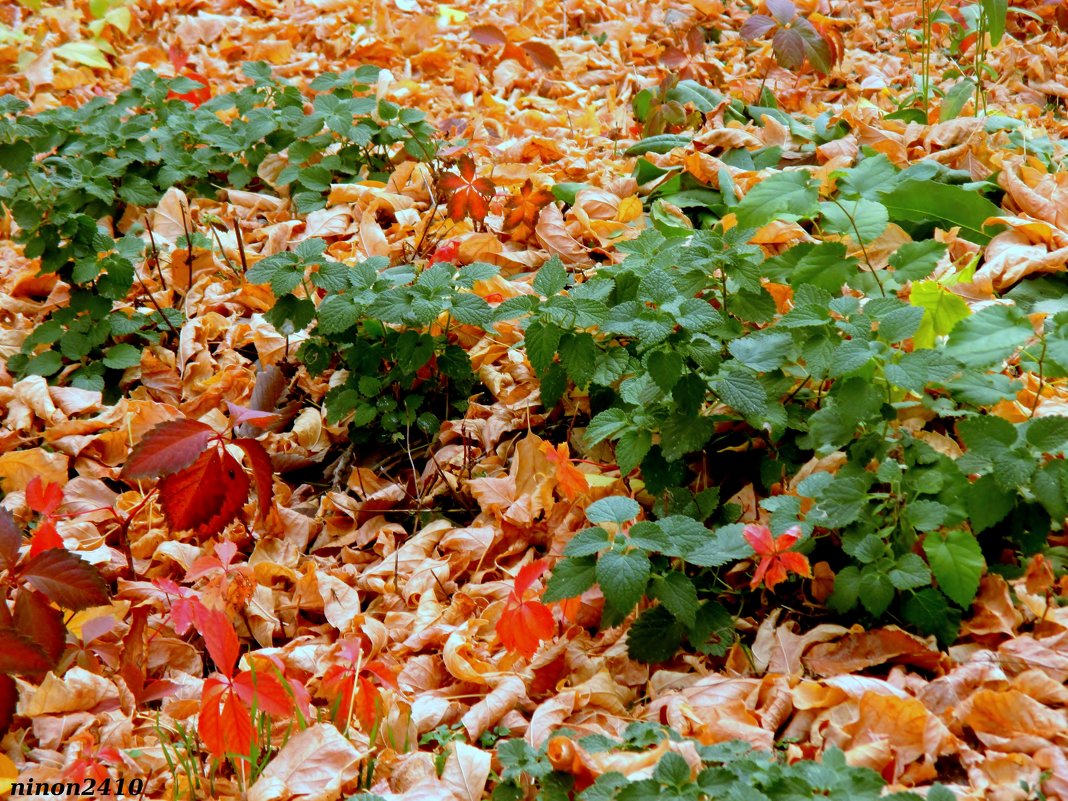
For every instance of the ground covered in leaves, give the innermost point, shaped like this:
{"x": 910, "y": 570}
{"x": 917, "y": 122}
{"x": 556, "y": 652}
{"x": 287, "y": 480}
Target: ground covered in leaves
{"x": 382, "y": 607}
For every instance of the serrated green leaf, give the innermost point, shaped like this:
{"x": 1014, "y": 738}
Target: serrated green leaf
{"x": 784, "y": 193}
{"x": 942, "y": 312}
{"x": 570, "y": 578}
{"x": 622, "y": 578}
{"x": 957, "y": 563}
{"x": 876, "y": 591}
{"x": 848, "y": 217}
{"x": 910, "y": 572}
{"x": 614, "y": 509}
{"x": 631, "y": 448}
{"x": 676, "y": 592}
{"x": 119, "y": 357}
{"x": 551, "y": 278}
{"x": 929, "y": 611}
{"x": 542, "y": 341}
{"x": 989, "y": 336}
{"x": 654, "y": 636}
{"x": 917, "y": 200}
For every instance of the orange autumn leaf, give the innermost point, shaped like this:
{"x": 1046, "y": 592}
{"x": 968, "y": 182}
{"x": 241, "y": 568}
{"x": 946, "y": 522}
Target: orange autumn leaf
{"x": 571, "y": 481}
{"x": 468, "y": 195}
{"x": 524, "y": 624}
{"x": 521, "y": 211}
{"x": 776, "y": 558}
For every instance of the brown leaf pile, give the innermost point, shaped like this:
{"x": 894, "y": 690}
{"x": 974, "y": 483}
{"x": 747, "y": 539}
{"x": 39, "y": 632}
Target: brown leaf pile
{"x": 543, "y": 90}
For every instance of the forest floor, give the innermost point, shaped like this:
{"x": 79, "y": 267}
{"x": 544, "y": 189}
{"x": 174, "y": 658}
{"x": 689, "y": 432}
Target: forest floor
{"x": 381, "y": 572}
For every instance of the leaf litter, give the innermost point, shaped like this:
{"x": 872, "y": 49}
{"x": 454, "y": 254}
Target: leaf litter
{"x": 352, "y": 593}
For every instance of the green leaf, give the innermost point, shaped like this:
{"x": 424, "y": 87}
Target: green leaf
{"x": 929, "y": 611}
{"x": 726, "y": 545}
{"x": 741, "y": 390}
{"x": 846, "y": 589}
{"x": 996, "y": 12}
{"x": 1049, "y": 434}
{"x": 551, "y": 278}
{"x": 848, "y": 217}
{"x": 631, "y": 449}
{"x": 957, "y": 562}
{"x": 337, "y": 313}
{"x": 16, "y": 156}
{"x": 921, "y": 201}
{"x": 681, "y": 434}
{"x": 518, "y": 758}
{"x": 713, "y": 632}
{"x": 675, "y": 591}
{"x": 622, "y": 577}
{"x": 570, "y": 578}
{"x": 989, "y": 336}
{"x": 926, "y": 515}
{"x": 654, "y": 636}
{"x": 542, "y": 340}
{"x": 614, "y": 509}
{"x": 605, "y": 425}
{"x": 662, "y": 143}
{"x": 119, "y": 357}
{"x": 672, "y": 770}
{"x": 988, "y": 504}
{"x": 910, "y": 572}
{"x": 942, "y": 311}
{"x": 48, "y": 363}
{"x": 784, "y": 193}
{"x": 956, "y": 97}
{"x": 588, "y": 542}
{"x": 762, "y": 351}
{"x": 578, "y": 354}
{"x": 915, "y": 260}
{"x": 876, "y": 591}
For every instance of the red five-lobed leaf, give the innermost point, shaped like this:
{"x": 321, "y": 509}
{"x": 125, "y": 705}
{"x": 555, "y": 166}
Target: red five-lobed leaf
{"x": 521, "y": 210}
{"x": 262, "y": 472}
{"x": 45, "y": 537}
{"x": 468, "y": 196}
{"x": 207, "y": 495}
{"x": 169, "y": 447}
{"x": 224, "y": 723}
{"x": 219, "y": 637}
{"x": 776, "y": 558}
{"x": 66, "y": 580}
{"x": 524, "y": 624}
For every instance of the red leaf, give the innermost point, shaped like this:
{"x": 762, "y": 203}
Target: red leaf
{"x": 196, "y": 96}
{"x": 45, "y": 537}
{"x": 224, "y": 723}
{"x": 528, "y": 574}
{"x": 522, "y": 626}
{"x": 489, "y": 35}
{"x": 169, "y": 447}
{"x": 66, "y": 580}
{"x": 784, "y": 11}
{"x": 219, "y": 637}
{"x": 21, "y": 655}
{"x": 468, "y": 196}
{"x": 789, "y": 48}
{"x": 207, "y": 495}
{"x": 542, "y": 55}
{"x": 776, "y": 558}
{"x": 366, "y": 706}
{"x": 43, "y": 498}
{"x": 255, "y": 417}
{"x": 262, "y": 472}
{"x": 9, "y": 697}
{"x": 266, "y": 690}
{"x": 10, "y": 540}
{"x": 521, "y": 211}
{"x": 41, "y": 623}
{"x": 179, "y": 58}
{"x": 385, "y": 674}
{"x": 756, "y": 26}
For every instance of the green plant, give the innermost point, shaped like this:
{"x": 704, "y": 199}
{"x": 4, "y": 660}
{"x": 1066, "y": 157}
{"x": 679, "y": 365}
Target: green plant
{"x": 110, "y": 157}
{"x": 727, "y": 770}
{"x": 392, "y": 329}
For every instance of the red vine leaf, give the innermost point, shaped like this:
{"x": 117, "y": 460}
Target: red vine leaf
{"x": 219, "y": 637}
{"x": 524, "y": 624}
{"x": 9, "y": 697}
{"x": 45, "y": 537}
{"x": 468, "y": 196}
{"x": 10, "y": 540}
{"x": 43, "y": 498}
{"x": 776, "y": 558}
{"x": 262, "y": 472}
{"x": 169, "y": 447}
{"x": 224, "y": 723}
{"x": 206, "y": 495}
{"x": 22, "y": 655}
{"x": 254, "y": 417}
{"x": 266, "y": 690}
{"x": 41, "y": 622}
{"x": 66, "y": 580}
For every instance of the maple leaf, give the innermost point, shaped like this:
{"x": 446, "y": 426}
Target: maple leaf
{"x": 525, "y": 623}
{"x": 468, "y": 196}
{"x": 521, "y": 210}
{"x": 776, "y": 558}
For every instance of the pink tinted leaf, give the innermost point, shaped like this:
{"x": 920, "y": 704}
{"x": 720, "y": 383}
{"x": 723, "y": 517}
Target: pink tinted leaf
{"x": 817, "y": 49}
{"x": 262, "y": 472}
{"x": 789, "y": 48}
{"x": 756, "y": 26}
{"x": 10, "y": 540}
{"x": 169, "y": 447}
{"x": 488, "y": 35}
{"x": 66, "y": 580}
{"x": 759, "y": 537}
{"x": 784, "y": 11}
{"x": 255, "y": 417}
{"x": 384, "y": 673}
{"x": 542, "y": 55}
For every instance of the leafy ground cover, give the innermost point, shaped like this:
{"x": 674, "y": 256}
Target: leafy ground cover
{"x": 585, "y": 400}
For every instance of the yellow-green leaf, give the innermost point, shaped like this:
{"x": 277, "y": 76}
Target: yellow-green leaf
{"x": 941, "y": 311}
{"x": 83, "y": 53}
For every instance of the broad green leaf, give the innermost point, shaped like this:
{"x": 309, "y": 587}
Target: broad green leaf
{"x": 571, "y": 577}
{"x": 119, "y": 357}
{"x": 675, "y": 591}
{"x": 996, "y": 12}
{"x": 942, "y": 311}
{"x": 956, "y": 97}
{"x": 876, "y": 591}
{"x": 622, "y": 577}
{"x": 989, "y": 336}
{"x": 910, "y": 572}
{"x": 542, "y": 340}
{"x": 929, "y": 611}
{"x": 850, "y": 217}
{"x": 915, "y": 260}
{"x": 661, "y": 143}
{"x": 631, "y": 449}
{"x": 605, "y": 425}
{"x": 614, "y": 509}
{"x": 957, "y": 563}
{"x": 551, "y": 278}
{"x": 914, "y": 200}
{"x": 784, "y": 193}
{"x": 1049, "y": 434}
{"x": 587, "y": 542}
{"x": 654, "y": 636}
